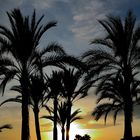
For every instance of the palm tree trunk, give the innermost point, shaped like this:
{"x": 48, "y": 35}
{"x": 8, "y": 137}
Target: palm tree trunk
{"x": 63, "y": 133}
{"x": 128, "y": 106}
{"x": 25, "y": 132}
{"x": 25, "y": 120}
{"x": 55, "y": 119}
{"x": 127, "y": 122}
{"x": 68, "y": 121}
{"x": 37, "y": 126}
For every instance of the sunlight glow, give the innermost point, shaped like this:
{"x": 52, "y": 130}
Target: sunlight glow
{"x": 75, "y": 129}
{"x": 45, "y": 136}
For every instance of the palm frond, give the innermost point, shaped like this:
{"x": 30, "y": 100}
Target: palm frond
{"x": 6, "y": 126}
{"x": 48, "y": 117}
{"x": 8, "y": 77}
{"x": 17, "y": 88}
{"x": 53, "y": 47}
{"x": 45, "y": 28}
{"x": 16, "y": 99}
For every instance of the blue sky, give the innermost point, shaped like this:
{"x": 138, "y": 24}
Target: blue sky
{"x": 77, "y": 19}
{"x": 77, "y": 25}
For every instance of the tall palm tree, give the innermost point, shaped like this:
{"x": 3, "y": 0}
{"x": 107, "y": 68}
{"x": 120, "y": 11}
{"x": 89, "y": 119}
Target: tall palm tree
{"x": 118, "y": 55}
{"x": 21, "y": 43}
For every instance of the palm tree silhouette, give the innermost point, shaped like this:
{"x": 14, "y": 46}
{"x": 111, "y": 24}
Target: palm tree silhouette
{"x": 21, "y": 42}
{"x": 112, "y": 91}
{"x": 111, "y": 97}
{"x": 37, "y": 93}
{"x": 55, "y": 89}
{"x": 119, "y": 55}
{"x": 62, "y": 116}
{"x": 71, "y": 78}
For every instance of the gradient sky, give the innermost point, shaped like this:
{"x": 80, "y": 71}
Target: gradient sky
{"x": 77, "y": 25}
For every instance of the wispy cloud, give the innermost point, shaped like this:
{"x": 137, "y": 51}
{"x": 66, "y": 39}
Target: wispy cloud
{"x": 88, "y": 122}
{"x": 46, "y": 127}
{"x": 86, "y": 13}
{"x": 43, "y": 4}
{"x": 137, "y": 112}
{"x": 85, "y": 19}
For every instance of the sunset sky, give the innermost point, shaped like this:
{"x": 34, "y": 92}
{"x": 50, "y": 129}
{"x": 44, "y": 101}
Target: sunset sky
{"x": 77, "y": 25}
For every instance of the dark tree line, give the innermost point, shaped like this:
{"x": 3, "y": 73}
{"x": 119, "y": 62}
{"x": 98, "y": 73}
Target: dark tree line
{"x": 85, "y": 137}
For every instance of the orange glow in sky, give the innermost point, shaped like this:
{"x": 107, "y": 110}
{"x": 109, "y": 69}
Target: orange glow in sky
{"x": 75, "y": 129}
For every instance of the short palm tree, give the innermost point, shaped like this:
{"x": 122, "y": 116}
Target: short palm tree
{"x": 62, "y": 116}
{"x": 118, "y": 55}
{"x": 38, "y": 88}
{"x": 55, "y": 89}
{"x": 72, "y": 91}
{"x": 37, "y": 93}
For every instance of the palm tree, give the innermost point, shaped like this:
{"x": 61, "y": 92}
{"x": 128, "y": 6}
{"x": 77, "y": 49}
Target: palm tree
{"x": 71, "y": 79}
{"x": 62, "y": 116}
{"x": 55, "y": 89}
{"x": 119, "y": 55}
{"x": 21, "y": 43}
{"x": 37, "y": 93}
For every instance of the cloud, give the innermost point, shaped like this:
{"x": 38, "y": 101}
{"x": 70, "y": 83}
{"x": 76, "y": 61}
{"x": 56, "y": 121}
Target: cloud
{"x": 8, "y": 4}
{"x": 42, "y": 4}
{"x": 5, "y": 6}
{"x": 86, "y": 13}
{"x": 88, "y": 122}
{"x": 46, "y": 127}
{"x": 6, "y": 111}
{"x": 85, "y": 19}
{"x": 137, "y": 112}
